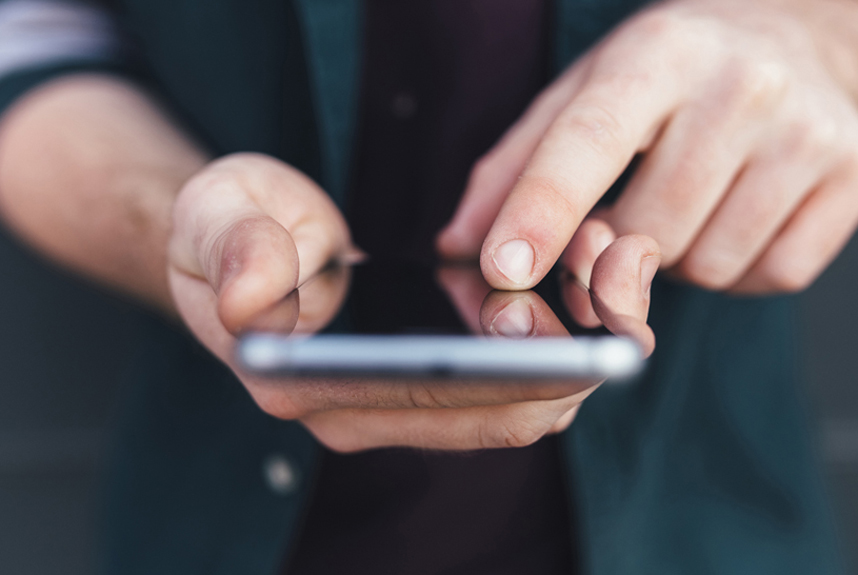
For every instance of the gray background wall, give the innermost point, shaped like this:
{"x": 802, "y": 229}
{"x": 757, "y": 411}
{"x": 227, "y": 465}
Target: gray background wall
{"x": 61, "y": 346}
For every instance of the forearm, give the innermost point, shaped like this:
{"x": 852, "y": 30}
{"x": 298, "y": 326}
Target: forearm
{"x": 89, "y": 169}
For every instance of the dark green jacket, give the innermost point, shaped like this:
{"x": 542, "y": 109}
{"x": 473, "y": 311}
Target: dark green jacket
{"x": 703, "y": 466}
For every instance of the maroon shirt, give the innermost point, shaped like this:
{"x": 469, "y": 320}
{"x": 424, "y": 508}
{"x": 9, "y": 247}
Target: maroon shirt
{"x": 442, "y": 80}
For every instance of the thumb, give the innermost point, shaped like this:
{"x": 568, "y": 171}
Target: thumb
{"x": 248, "y": 259}
{"x": 251, "y": 265}
{"x": 254, "y": 229}
{"x": 620, "y": 287}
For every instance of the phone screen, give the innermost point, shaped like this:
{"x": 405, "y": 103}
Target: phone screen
{"x": 389, "y": 318}
{"x": 390, "y": 297}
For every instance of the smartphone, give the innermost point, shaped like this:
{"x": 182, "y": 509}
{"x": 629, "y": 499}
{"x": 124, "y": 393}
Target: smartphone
{"x": 383, "y": 319}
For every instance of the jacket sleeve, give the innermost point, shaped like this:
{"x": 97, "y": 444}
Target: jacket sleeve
{"x": 43, "y": 39}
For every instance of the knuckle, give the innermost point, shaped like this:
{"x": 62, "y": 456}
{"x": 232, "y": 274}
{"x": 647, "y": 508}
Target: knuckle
{"x": 661, "y": 23}
{"x": 511, "y": 433}
{"x": 422, "y": 396}
{"x": 813, "y": 138}
{"x": 552, "y": 192}
{"x": 673, "y": 39}
{"x": 759, "y": 84}
{"x": 596, "y": 126}
{"x": 824, "y": 134}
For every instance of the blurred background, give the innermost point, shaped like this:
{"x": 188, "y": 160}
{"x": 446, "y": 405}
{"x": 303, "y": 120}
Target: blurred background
{"x": 62, "y": 346}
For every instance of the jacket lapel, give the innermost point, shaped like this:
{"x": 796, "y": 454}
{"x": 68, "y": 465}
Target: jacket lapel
{"x": 332, "y": 36}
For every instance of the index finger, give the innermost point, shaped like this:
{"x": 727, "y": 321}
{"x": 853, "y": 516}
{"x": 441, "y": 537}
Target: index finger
{"x": 615, "y": 114}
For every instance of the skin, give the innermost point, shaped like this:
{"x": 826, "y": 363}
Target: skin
{"x": 745, "y": 113}
{"x": 214, "y": 246}
{"x": 94, "y": 175}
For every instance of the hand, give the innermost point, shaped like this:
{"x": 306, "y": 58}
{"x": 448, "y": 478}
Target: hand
{"x": 248, "y": 230}
{"x": 356, "y": 414}
{"x": 611, "y": 300}
{"x": 749, "y": 179}
{"x": 523, "y": 314}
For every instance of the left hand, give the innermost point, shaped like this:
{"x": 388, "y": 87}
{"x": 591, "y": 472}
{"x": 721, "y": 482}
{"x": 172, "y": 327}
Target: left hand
{"x": 745, "y": 113}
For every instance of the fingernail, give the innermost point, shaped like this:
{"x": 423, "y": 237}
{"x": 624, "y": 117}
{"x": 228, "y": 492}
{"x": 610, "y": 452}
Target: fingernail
{"x": 514, "y": 259}
{"x": 515, "y": 320}
{"x": 649, "y": 266}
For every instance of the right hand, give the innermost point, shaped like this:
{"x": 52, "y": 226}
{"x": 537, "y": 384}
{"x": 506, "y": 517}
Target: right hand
{"x": 249, "y": 229}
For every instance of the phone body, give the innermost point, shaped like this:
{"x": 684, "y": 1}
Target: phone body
{"x": 408, "y": 320}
